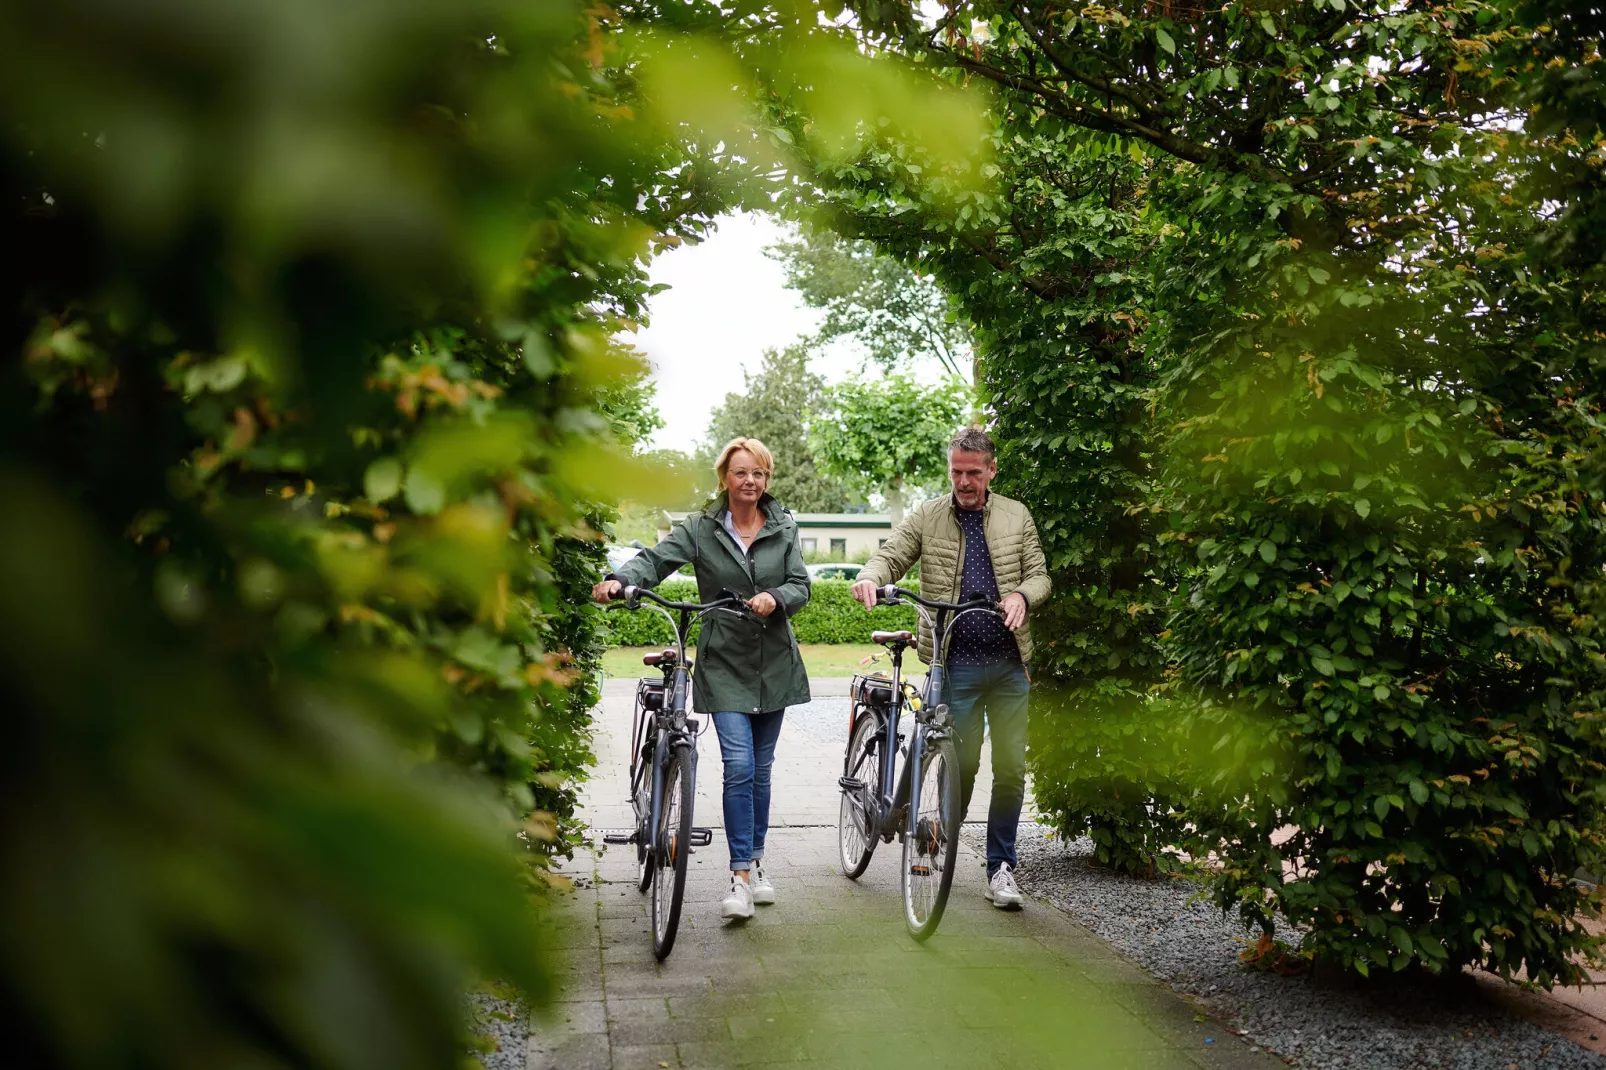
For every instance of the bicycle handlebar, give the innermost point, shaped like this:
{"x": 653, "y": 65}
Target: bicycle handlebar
{"x": 632, "y": 596}
{"x": 890, "y": 594}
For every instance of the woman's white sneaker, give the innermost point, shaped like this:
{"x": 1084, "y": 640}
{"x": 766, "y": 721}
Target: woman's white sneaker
{"x": 1002, "y": 891}
{"x": 763, "y": 891}
{"x": 738, "y": 906}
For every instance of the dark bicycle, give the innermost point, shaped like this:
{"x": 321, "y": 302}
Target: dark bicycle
{"x": 923, "y": 809}
{"x": 663, "y": 766}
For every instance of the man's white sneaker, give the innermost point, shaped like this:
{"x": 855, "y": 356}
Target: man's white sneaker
{"x": 738, "y": 906}
{"x": 759, "y": 883}
{"x": 1002, "y": 891}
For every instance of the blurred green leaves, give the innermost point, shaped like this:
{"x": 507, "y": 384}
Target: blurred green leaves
{"x": 211, "y": 845}
{"x": 312, "y": 406}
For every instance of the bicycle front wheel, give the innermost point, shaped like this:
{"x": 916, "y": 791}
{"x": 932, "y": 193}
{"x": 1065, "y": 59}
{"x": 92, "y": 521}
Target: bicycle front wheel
{"x": 929, "y": 856}
{"x": 855, "y": 822}
{"x": 674, "y": 848}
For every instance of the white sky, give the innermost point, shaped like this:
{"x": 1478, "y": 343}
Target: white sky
{"x": 728, "y": 303}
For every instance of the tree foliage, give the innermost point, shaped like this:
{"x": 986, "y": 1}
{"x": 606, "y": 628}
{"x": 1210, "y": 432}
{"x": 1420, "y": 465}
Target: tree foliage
{"x": 1362, "y": 485}
{"x": 874, "y": 299}
{"x": 781, "y": 400}
{"x": 889, "y": 435}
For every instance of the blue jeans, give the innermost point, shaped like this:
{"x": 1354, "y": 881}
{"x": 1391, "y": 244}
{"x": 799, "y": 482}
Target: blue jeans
{"x": 747, "y": 747}
{"x": 995, "y": 694}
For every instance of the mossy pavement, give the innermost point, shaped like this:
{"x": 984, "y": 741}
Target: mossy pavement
{"x": 828, "y": 977}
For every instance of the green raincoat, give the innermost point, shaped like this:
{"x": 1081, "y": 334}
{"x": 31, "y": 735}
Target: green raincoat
{"x": 743, "y": 666}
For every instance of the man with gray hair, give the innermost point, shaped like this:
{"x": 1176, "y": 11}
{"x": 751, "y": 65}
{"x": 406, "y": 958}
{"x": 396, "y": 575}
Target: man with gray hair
{"x": 967, "y": 542}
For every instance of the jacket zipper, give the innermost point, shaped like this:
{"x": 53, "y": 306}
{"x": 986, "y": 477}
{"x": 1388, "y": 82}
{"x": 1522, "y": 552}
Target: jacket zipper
{"x": 752, "y": 578}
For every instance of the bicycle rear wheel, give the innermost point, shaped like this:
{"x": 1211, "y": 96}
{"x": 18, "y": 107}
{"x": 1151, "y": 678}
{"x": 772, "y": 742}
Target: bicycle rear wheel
{"x": 929, "y": 856}
{"x": 644, "y": 858}
{"x": 674, "y": 848}
{"x": 641, "y": 803}
{"x": 855, "y": 823}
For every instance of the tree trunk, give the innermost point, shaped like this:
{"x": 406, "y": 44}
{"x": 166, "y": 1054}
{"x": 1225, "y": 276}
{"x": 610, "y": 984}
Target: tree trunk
{"x": 895, "y": 502}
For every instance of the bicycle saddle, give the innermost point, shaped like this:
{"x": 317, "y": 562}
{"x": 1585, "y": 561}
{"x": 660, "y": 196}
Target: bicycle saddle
{"x": 888, "y": 638}
{"x": 658, "y": 656}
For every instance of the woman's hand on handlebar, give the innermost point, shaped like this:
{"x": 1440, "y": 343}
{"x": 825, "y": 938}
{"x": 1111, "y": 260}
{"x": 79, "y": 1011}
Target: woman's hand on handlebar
{"x": 762, "y": 603}
{"x": 605, "y": 590}
{"x": 865, "y": 591}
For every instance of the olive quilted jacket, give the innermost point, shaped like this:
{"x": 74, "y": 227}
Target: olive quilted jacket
{"x": 931, "y": 535}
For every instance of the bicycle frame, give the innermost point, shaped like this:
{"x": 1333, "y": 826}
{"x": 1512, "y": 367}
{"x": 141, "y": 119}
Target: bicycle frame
{"x": 671, "y": 727}
{"x": 896, "y": 810}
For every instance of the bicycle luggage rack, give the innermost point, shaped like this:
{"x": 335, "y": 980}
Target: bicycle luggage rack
{"x": 700, "y": 837}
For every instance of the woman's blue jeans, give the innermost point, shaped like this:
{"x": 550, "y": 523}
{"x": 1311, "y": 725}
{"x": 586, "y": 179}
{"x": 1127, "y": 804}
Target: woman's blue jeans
{"x": 747, "y": 746}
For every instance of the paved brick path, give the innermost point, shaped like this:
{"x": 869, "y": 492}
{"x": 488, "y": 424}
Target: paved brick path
{"x": 828, "y": 977}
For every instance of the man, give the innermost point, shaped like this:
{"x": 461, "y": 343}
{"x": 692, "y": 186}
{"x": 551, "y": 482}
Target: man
{"x": 973, "y": 541}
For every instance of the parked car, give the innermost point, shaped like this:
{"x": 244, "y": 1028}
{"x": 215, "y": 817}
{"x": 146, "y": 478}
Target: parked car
{"x": 618, "y": 555}
{"x": 835, "y": 570}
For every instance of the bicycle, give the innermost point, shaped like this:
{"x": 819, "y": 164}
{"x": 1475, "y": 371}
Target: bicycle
{"x": 663, "y": 767}
{"x": 923, "y": 811}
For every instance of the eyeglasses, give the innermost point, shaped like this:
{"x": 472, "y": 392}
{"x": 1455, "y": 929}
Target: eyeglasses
{"x": 741, "y": 474}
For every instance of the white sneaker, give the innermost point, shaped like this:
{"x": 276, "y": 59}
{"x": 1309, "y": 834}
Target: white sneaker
{"x": 1002, "y": 891}
{"x": 738, "y": 906}
{"x": 763, "y": 891}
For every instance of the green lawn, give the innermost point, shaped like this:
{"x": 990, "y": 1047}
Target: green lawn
{"x": 821, "y": 660}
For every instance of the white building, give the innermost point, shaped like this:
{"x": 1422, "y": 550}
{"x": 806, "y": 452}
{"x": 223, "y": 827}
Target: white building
{"x": 843, "y": 535}
{"x": 839, "y": 536}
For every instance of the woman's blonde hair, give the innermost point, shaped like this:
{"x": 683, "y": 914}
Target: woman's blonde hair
{"x": 761, "y": 452}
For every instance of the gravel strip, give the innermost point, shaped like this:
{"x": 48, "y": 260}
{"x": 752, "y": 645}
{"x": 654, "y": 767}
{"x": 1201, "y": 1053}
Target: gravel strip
{"x": 1181, "y": 939}
{"x": 504, "y": 1023}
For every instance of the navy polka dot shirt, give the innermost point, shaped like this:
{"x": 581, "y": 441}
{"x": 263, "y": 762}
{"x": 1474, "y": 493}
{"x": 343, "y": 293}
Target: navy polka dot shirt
{"x": 979, "y": 638}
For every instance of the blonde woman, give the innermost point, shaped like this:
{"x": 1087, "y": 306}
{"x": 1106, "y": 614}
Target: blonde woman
{"x": 748, "y": 671}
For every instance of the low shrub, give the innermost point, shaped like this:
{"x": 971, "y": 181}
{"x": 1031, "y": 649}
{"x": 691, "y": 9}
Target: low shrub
{"x": 646, "y": 627}
{"x": 832, "y": 616}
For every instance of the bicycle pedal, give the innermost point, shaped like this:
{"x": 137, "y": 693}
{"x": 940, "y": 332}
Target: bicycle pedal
{"x": 920, "y": 871}
{"x": 701, "y": 837}
{"x": 618, "y": 836}
{"x": 850, "y": 783}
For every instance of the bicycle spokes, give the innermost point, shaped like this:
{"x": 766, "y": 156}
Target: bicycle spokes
{"x": 929, "y": 850}
{"x": 669, "y": 879}
{"x": 858, "y": 811}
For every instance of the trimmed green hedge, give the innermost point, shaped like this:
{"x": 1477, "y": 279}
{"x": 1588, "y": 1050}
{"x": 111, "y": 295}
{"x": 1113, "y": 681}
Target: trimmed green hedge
{"x": 832, "y": 616}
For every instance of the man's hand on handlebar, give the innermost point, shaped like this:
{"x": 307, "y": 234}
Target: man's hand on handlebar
{"x": 1013, "y": 608}
{"x": 865, "y": 591}
{"x": 605, "y": 590}
{"x": 762, "y": 604}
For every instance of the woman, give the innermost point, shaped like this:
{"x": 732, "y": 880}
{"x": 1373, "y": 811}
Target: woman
{"x": 748, "y": 670}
